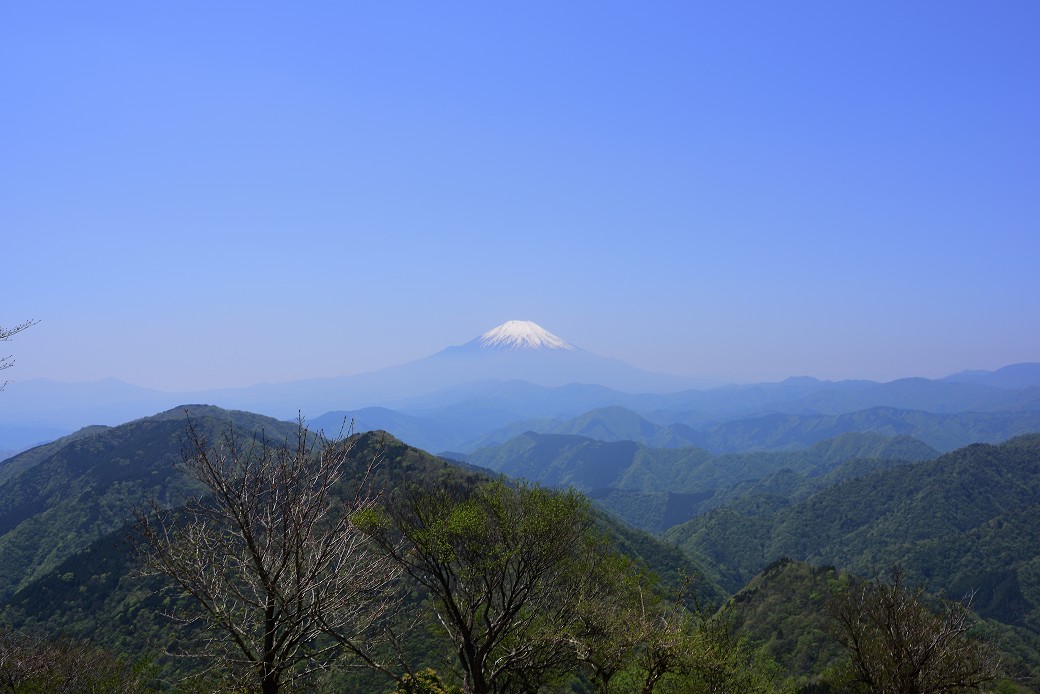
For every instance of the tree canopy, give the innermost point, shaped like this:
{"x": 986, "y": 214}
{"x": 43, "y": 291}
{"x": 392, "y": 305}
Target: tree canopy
{"x": 505, "y": 567}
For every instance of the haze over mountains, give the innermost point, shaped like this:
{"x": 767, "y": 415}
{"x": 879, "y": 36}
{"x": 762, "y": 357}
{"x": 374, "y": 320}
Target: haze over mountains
{"x": 937, "y": 475}
{"x": 519, "y": 377}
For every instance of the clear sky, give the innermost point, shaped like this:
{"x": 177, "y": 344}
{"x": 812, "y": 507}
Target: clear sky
{"x": 203, "y": 194}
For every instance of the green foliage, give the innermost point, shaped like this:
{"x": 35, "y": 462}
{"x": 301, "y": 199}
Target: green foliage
{"x": 425, "y": 681}
{"x": 696, "y": 652}
{"x": 103, "y": 597}
{"x": 783, "y": 609}
{"x": 967, "y": 521}
{"x": 23, "y": 461}
{"x": 503, "y": 566}
{"x": 949, "y": 521}
{"x": 674, "y": 568}
{"x": 656, "y": 488}
{"x": 106, "y": 602}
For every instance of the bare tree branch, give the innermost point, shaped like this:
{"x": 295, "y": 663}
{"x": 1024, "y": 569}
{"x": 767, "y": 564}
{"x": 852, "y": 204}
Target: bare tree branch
{"x": 898, "y": 643}
{"x": 5, "y": 335}
{"x": 283, "y": 581}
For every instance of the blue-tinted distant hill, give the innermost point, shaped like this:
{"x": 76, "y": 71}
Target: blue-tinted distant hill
{"x": 1014, "y": 377}
{"x": 520, "y": 377}
{"x": 942, "y": 431}
{"x": 917, "y": 394}
{"x": 780, "y": 431}
{"x": 518, "y": 351}
{"x": 514, "y": 351}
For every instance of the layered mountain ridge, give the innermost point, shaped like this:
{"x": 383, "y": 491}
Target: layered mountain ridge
{"x": 966, "y": 521}
{"x": 519, "y": 375}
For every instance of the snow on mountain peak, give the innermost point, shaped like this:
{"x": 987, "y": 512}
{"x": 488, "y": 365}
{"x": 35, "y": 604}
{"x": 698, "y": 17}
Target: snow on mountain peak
{"x": 521, "y": 334}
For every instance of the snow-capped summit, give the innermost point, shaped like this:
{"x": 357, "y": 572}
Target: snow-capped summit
{"x": 521, "y": 334}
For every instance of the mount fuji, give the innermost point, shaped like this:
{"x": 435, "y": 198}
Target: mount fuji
{"x": 516, "y": 351}
{"x": 520, "y": 350}
{"x": 520, "y": 334}
{"x": 509, "y": 377}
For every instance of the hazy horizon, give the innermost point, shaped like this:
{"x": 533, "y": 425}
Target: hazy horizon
{"x": 202, "y": 197}
{"x": 706, "y": 384}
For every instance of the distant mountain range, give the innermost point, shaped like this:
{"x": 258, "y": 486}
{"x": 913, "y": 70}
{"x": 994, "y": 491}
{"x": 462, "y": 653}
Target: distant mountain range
{"x": 938, "y": 476}
{"x": 38, "y": 410}
{"x": 519, "y": 377}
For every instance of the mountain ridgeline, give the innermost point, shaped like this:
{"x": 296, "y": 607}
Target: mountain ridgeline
{"x": 767, "y": 500}
{"x": 967, "y": 519}
{"x": 963, "y": 521}
{"x": 66, "y": 510}
{"x": 655, "y": 488}
{"x": 520, "y": 377}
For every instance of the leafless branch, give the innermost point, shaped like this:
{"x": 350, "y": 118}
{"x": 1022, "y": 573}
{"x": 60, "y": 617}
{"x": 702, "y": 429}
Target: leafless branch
{"x": 5, "y": 335}
{"x": 280, "y": 575}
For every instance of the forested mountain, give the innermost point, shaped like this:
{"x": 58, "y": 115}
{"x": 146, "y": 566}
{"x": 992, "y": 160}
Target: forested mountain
{"x": 654, "y": 488}
{"x": 964, "y": 521}
{"x": 786, "y": 607}
{"x": 69, "y": 568}
{"x": 57, "y": 499}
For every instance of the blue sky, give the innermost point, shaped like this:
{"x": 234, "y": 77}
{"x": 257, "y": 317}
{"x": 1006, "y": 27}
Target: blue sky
{"x": 218, "y": 194}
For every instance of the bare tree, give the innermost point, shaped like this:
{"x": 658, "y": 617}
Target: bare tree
{"x": 29, "y": 663}
{"x": 5, "y": 335}
{"x": 900, "y": 645}
{"x": 282, "y": 579}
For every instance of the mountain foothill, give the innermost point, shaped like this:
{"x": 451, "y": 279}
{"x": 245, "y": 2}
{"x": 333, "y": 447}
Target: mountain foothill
{"x": 768, "y": 498}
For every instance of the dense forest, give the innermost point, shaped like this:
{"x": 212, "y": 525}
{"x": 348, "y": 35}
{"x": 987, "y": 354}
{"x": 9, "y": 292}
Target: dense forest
{"x": 202, "y": 549}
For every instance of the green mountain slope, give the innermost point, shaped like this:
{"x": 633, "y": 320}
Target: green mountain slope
{"x": 98, "y": 592}
{"x": 784, "y": 610}
{"x": 17, "y": 464}
{"x": 965, "y": 521}
{"x": 655, "y": 488}
{"x": 70, "y": 493}
{"x": 69, "y": 568}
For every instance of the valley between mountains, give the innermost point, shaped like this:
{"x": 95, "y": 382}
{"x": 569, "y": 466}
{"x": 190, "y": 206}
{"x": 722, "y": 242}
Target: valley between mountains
{"x": 756, "y": 504}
